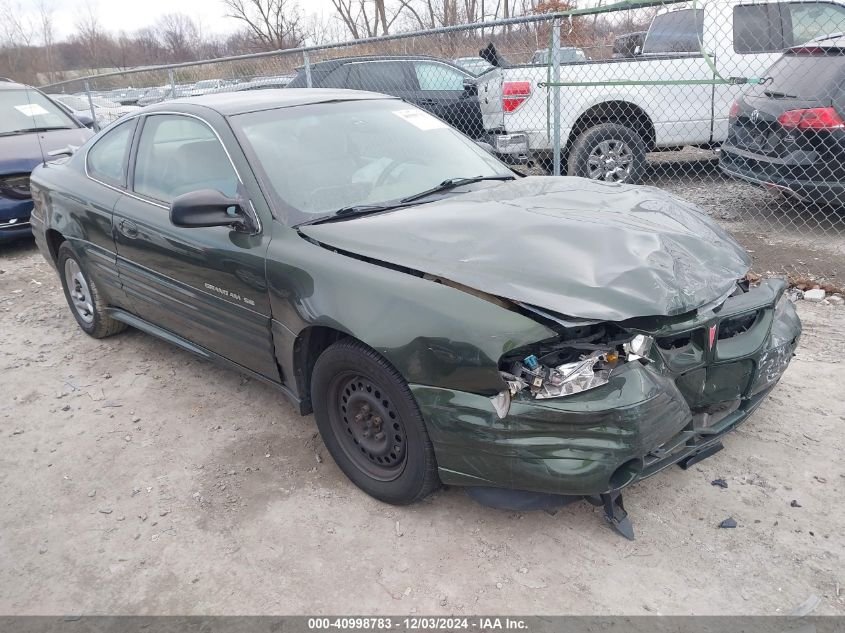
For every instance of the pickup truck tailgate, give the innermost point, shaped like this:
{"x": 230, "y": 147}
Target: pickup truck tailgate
{"x": 490, "y": 99}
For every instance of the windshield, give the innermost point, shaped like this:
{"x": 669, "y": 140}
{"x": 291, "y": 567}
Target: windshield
{"x": 28, "y": 110}
{"x": 323, "y": 157}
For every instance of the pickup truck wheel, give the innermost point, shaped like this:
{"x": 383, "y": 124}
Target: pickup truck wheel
{"x": 371, "y": 424}
{"x": 83, "y": 297}
{"x": 611, "y": 152}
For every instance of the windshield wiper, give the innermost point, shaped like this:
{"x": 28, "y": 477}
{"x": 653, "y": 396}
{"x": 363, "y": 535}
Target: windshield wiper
{"x": 352, "y": 211}
{"x": 452, "y": 183}
{"x": 29, "y": 130}
{"x": 366, "y": 209}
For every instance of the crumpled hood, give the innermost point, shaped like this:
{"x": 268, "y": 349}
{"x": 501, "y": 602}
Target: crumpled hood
{"x": 574, "y": 246}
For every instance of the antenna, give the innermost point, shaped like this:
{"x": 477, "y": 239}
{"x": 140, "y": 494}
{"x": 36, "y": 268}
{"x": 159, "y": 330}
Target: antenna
{"x": 37, "y": 133}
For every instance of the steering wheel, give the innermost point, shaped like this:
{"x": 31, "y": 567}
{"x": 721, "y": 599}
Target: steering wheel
{"x": 388, "y": 171}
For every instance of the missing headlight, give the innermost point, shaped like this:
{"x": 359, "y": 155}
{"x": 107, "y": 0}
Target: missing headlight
{"x": 590, "y": 371}
{"x": 581, "y": 358}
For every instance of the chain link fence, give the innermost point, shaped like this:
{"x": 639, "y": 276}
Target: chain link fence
{"x": 737, "y": 106}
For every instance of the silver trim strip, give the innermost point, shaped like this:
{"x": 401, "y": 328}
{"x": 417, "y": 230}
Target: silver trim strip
{"x": 14, "y": 225}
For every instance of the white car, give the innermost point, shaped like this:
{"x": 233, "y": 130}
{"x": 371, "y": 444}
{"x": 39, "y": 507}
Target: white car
{"x": 106, "y": 111}
{"x": 609, "y": 122}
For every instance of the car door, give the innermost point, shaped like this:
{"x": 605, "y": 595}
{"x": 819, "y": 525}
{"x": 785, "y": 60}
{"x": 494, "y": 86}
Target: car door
{"x": 206, "y": 285}
{"x": 441, "y": 91}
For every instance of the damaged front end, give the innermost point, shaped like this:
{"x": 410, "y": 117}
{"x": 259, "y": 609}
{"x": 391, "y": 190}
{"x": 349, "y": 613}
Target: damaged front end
{"x": 605, "y": 404}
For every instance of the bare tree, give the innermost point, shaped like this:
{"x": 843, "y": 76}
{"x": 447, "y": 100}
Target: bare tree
{"x": 45, "y": 18}
{"x": 180, "y": 35}
{"x": 91, "y": 35}
{"x": 323, "y": 29}
{"x": 16, "y": 35}
{"x": 361, "y": 22}
{"x": 274, "y": 24}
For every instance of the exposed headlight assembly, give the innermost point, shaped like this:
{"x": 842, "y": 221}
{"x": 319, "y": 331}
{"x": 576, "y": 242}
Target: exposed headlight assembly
{"x": 638, "y": 347}
{"x": 589, "y": 372}
{"x": 573, "y": 367}
{"x": 570, "y": 378}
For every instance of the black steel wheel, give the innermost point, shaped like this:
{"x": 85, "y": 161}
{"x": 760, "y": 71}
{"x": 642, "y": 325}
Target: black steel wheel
{"x": 371, "y": 424}
{"x": 370, "y": 431}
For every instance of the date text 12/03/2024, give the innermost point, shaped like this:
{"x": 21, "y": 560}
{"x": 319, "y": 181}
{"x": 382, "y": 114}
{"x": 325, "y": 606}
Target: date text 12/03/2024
{"x": 421, "y": 623}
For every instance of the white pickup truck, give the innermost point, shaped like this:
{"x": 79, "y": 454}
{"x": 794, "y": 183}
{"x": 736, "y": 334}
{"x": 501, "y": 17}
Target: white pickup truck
{"x": 607, "y": 129}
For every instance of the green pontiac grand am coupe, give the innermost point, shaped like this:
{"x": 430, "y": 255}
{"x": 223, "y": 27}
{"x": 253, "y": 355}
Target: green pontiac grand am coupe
{"x": 535, "y": 339}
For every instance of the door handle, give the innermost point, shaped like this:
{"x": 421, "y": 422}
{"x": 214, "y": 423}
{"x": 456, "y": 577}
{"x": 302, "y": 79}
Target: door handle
{"x": 128, "y": 228}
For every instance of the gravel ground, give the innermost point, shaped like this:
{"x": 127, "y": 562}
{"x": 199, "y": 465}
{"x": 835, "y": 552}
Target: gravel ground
{"x": 784, "y": 236}
{"x": 138, "y": 479}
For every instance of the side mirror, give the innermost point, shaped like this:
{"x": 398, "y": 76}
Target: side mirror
{"x": 86, "y": 120}
{"x": 208, "y": 207}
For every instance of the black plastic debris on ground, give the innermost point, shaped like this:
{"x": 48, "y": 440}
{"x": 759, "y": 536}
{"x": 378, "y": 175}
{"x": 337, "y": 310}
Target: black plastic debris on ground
{"x": 794, "y": 504}
{"x": 728, "y": 523}
{"x": 719, "y": 482}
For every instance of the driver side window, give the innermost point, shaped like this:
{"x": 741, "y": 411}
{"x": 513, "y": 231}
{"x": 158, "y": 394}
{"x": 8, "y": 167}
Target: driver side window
{"x": 179, "y": 154}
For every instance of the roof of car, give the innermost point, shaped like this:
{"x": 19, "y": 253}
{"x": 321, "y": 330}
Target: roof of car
{"x": 229, "y": 103}
{"x": 834, "y": 40}
{"x": 8, "y": 84}
{"x": 375, "y": 58}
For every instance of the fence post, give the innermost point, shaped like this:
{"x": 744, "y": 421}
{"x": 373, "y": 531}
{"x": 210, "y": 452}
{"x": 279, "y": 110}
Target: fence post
{"x": 91, "y": 107}
{"x": 554, "y": 55}
{"x": 172, "y": 82}
{"x": 307, "y": 62}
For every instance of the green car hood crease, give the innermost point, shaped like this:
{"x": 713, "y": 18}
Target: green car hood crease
{"x": 578, "y": 247}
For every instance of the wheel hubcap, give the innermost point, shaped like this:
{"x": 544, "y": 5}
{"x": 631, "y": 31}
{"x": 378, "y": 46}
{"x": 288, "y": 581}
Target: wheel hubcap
{"x": 610, "y": 161}
{"x": 368, "y": 427}
{"x": 80, "y": 294}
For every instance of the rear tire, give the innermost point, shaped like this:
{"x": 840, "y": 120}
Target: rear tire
{"x": 611, "y": 152}
{"x": 83, "y": 297}
{"x": 371, "y": 424}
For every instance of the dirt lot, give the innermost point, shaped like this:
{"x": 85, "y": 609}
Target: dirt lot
{"x": 137, "y": 479}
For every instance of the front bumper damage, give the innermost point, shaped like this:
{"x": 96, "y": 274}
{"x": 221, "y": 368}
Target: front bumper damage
{"x": 704, "y": 377}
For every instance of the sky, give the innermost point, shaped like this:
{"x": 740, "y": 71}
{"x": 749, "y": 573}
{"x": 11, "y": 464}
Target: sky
{"x": 130, "y": 15}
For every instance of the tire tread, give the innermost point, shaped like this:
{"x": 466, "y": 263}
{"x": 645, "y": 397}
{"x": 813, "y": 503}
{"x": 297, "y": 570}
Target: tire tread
{"x": 356, "y": 349}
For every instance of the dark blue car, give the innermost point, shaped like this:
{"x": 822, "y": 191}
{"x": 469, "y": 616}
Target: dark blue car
{"x": 31, "y": 126}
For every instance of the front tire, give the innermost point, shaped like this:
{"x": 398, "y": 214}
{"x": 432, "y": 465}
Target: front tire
{"x": 83, "y": 297}
{"x": 371, "y": 424}
{"x": 610, "y": 152}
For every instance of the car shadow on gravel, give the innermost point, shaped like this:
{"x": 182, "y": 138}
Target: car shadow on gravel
{"x": 22, "y": 246}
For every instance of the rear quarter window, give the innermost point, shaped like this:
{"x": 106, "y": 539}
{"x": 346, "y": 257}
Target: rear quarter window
{"x": 676, "y": 32}
{"x": 106, "y": 160}
{"x": 757, "y": 29}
